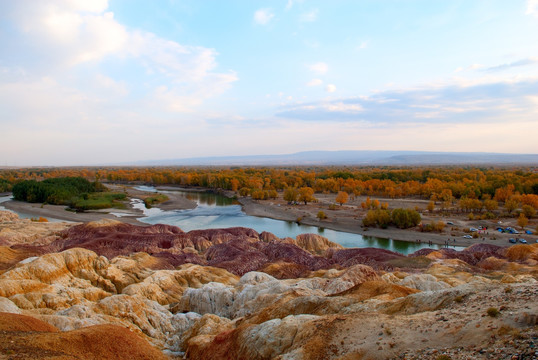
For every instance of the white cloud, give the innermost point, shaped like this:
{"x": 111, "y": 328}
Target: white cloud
{"x": 320, "y": 67}
{"x": 314, "y": 82}
{"x": 330, "y": 88}
{"x": 64, "y": 49}
{"x": 309, "y": 16}
{"x": 532, "y": 7}
{"x": 363, "y": 45}
{"x": 263, "y": 16}
{"x": 64, "y": 34}
{"x": 290, "y": 3}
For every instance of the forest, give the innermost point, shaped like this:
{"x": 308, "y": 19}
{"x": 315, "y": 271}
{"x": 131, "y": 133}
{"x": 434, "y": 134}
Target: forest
{"x": 481, "y": 192}
{"x": 76, "y": 192}
{"x": 436, "y": 183}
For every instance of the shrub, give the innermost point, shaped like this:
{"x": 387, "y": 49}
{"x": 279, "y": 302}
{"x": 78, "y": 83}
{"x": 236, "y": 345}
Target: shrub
{"x": 405, "y": 218}
{"x": 156, "y": 199}
{"x": 377, "y": 217}
{"x": 493, "y": 312}
{"x": 321, "y": 215}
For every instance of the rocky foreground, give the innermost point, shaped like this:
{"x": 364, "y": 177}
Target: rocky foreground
{"x": 109, "y": 290}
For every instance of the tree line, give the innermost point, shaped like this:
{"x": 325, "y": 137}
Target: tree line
{"x": 441, "y": 184}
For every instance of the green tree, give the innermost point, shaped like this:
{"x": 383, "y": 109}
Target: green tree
{"x": 405, "y": 218}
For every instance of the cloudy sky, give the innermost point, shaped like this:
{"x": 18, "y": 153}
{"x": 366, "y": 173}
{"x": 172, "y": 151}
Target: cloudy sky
{"x": 97, "y": 82}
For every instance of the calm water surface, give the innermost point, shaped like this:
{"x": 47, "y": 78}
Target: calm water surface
{"x": 216, "y": 211}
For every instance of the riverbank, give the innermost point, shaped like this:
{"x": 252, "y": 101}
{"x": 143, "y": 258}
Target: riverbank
{"x": 129, "y": 215}
{"x": 347, "y": 219}
{"x": 58, "y": 212}
{"x": 174, "y": 202}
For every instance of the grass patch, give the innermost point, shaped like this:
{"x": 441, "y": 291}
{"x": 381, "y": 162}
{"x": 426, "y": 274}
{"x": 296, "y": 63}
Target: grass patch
{"x": 417, "y": 262}
{"x": 155, "y": 199}
{"x": 98, "y": 201}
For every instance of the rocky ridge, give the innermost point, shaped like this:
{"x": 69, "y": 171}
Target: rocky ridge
{"x": 255, "y": 296}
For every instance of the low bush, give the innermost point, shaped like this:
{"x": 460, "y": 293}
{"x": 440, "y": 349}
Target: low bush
{"x": 493, "y": 312}
{"x": 155, "y": 199}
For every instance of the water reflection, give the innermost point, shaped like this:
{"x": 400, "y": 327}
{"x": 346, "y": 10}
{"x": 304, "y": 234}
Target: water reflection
{"x": 216, "y": 211}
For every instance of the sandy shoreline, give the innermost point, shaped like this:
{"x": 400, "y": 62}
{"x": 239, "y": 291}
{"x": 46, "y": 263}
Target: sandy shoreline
{"x": 268, "y": 209}
{"x": 254, "y": 208}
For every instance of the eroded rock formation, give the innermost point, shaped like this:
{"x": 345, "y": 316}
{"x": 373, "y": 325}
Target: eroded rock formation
{"x": 234, "y": 293}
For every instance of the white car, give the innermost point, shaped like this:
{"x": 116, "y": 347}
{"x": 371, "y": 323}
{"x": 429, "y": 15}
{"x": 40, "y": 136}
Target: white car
{"x": 467, "y": 237}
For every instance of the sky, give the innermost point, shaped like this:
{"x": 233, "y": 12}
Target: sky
{"x": 103, "y": 82}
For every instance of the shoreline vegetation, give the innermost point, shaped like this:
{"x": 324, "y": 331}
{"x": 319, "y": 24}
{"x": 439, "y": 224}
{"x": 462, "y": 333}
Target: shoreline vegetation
{"x": 452, "y": 205}
{"x": 340, "y": 218}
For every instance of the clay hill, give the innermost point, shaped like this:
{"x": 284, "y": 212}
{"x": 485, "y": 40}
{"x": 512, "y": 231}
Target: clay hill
{"x": 110, "y": 290}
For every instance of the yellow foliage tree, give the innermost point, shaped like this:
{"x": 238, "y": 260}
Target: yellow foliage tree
{"x": 522, "y": 220}
{"x": 341, "y": 197}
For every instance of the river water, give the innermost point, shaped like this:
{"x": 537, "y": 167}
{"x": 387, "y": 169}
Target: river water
{"x": 216, "y": 211}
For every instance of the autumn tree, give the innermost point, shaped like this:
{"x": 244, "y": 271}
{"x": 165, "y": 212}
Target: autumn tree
{"x": 306, "y": 194}
{"x": 259, "y": 195}
{"x": 290, "y": 194}
{"x": 511, "y": 204}
{"x": 342, "y": 197}
{"x": 522, "y": 220}
{"x": 530, "y": 199}
{"x": 234, "y": 184}
{"x": 377, "y": 217}
{"x": 431, "y": 206}
{"x": 491, "y": 205}
{"x": 505, "y": 193}
{"x": 528, "y": 211}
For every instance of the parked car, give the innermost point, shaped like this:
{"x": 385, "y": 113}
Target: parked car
{"x": 523, "y": 241}
{"x": 512, "y": 240}
{"x": 467, "y": 237}
{"x": 449, "y": 223}
{"x": 528, "y": 232}
{"x": 473, "y": 229}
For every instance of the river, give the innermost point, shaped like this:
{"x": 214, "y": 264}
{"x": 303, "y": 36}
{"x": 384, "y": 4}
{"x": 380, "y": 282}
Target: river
{"x": 216, "y": 211}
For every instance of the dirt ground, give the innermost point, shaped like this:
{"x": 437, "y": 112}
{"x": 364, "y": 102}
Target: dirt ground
{"x": 348, "y": 218}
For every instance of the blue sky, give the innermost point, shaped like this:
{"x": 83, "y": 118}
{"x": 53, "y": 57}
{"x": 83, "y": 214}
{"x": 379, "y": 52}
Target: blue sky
{"x": 98, "y": 82}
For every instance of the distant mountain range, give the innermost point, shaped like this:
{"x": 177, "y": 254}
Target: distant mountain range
{"x": 358, "y": 157}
